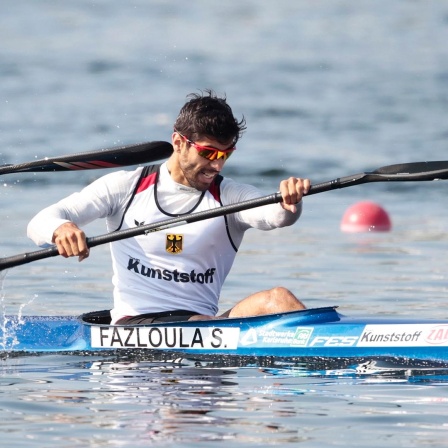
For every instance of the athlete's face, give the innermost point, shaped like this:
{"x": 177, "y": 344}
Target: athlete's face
{"x": 193, "y": 169}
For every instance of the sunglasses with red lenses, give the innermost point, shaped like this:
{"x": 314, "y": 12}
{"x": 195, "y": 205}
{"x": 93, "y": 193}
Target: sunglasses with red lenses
{"x": 208, "y": 152}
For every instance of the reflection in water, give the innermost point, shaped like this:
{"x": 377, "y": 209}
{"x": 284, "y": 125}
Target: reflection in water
{"x": 133, "y": 399}
{"x": 209, "y": 399}
{"x": 183, "y": 399}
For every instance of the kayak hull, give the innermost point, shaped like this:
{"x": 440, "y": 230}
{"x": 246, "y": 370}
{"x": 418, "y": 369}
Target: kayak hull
{"x": 318, "y": 332}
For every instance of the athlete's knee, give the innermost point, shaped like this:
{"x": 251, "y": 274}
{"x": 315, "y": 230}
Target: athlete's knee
{"x": 281, "y": 298}
{"x": 275, "y": 298}
{"x": 279, "y": 293}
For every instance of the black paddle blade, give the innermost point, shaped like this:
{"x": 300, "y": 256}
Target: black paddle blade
{"x": 106, "y": 158}
{"x": 415, "y": 171}
{"x": 402, "y": 172}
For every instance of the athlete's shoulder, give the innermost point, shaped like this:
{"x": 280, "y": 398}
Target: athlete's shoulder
{"x": 121, "y": 176}
{"x": 114, "y": 187}
{"x": 232, "y": 191}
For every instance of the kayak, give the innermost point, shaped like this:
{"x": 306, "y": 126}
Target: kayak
{"x": 317, "y": 332}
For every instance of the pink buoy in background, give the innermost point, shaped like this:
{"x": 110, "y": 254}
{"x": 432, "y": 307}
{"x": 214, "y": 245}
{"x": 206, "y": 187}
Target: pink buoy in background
{"x": 365, "y": 216}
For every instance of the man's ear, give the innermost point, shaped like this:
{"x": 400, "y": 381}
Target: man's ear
{"x": 176, "y": 140}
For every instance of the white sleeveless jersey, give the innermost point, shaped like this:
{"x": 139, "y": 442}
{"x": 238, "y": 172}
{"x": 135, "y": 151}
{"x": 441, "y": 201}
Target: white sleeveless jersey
{"x": 183, "y": 267}
{"x": 180, "y": 268}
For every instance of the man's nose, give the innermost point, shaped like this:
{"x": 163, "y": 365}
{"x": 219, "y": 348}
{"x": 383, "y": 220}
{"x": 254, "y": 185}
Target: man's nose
{"x": 218, "y": 163}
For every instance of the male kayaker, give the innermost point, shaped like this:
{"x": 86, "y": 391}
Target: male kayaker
{"x": 177, "y": 274}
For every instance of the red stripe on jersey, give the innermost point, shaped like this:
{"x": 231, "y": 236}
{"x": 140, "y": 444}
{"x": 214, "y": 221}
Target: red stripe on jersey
{"x": 214, "y": 190}
{"x": 146, "y": 182}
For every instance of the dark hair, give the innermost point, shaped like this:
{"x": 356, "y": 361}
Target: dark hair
{"x": 207, "y": 115}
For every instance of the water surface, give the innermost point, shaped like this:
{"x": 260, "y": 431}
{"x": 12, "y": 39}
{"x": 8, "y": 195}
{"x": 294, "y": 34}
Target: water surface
{"x": 328, "y": 89}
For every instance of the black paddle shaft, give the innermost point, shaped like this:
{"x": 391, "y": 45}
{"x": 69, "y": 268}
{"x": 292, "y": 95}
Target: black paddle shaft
{"x": 419, "y": 171}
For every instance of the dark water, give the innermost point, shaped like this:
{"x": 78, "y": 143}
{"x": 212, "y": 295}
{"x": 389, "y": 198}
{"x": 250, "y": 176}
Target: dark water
{"x": 328, "y": 89}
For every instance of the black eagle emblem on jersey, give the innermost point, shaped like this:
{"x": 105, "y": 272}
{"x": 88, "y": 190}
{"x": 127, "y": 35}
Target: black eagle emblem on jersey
{"x": 174, "y": 243}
